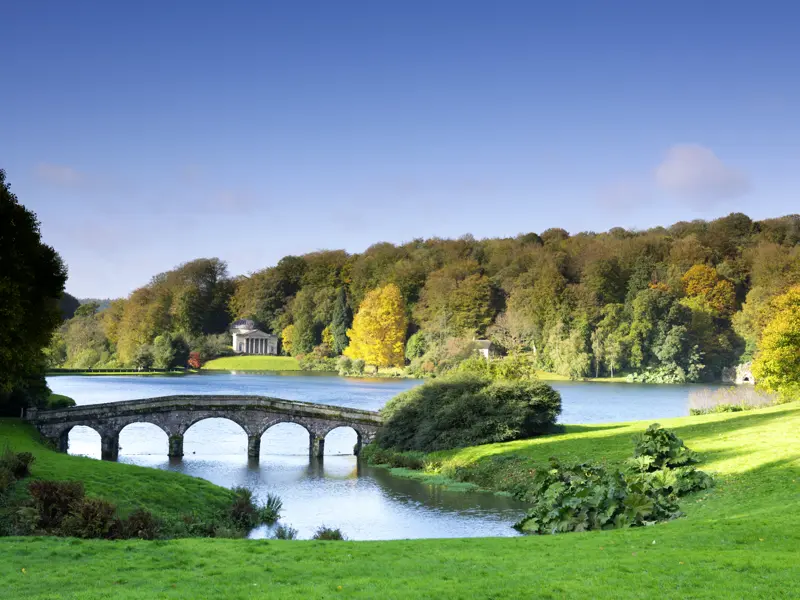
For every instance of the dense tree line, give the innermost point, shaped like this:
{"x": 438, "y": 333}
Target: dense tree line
{"x": 666, "y": 304}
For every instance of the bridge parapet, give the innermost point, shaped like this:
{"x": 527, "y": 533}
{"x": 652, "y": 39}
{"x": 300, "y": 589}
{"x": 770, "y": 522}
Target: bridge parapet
{"x": 176, "y": 414}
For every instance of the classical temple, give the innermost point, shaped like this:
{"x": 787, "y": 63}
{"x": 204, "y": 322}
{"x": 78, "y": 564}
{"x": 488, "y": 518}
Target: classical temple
{"x": 247, "y": 339}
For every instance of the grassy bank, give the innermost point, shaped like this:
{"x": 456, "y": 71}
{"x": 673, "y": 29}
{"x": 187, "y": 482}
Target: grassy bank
{"x": 252, "y": 363}
{"x": 740, "y": 539}
{"x": 177, "y": 373}
{"x": 167, "y": 494}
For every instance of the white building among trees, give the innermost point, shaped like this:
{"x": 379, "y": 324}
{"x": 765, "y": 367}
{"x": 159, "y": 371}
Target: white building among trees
{"x": 247, "y": 339}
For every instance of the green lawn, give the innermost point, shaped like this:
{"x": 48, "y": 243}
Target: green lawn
{"x": 741, "y": 539}
{"x": 252, "y": 363}
{"x": 164, "y": 493}
{"x": 547, "y": 376}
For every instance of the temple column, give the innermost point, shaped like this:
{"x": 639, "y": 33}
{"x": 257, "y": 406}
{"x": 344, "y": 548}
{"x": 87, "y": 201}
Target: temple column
{"x": 109, "y": 446}
{"x": 316, "y": 447}
{"x": 176, "y": 446}
{"x": 253, "y": 446}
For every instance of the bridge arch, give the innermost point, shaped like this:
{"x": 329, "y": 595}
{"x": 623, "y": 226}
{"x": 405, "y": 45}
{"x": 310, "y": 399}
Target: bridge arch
{"x": 92, "y": 435}
{"x": 232, "y": 431}
{"x": 148, "y": 429}
{"x": 357, "y": 443}
{"x": 194, "y": 420}
{"x": 284, "y": 436}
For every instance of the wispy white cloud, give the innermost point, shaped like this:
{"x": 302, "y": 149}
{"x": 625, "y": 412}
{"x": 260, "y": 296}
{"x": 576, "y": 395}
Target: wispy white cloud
{"x": 60, "y": 175}
{"x": 696, "y": 174}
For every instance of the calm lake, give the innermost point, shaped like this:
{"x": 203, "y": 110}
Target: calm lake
{"x": 365, "y": 503}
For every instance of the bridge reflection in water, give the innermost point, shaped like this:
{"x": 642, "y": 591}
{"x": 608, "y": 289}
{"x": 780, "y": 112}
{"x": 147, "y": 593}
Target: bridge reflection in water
{"x": 176, "y": 414}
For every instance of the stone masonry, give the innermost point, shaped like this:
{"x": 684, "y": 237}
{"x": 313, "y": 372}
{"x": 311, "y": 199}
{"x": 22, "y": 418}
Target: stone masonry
{"x": 175, "y": 414}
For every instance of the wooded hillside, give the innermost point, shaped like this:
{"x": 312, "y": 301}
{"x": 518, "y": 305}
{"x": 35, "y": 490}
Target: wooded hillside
{"x": 667, "y": 304}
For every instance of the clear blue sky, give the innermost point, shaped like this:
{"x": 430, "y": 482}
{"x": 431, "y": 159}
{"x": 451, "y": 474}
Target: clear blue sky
{"x": 145, "y": 134}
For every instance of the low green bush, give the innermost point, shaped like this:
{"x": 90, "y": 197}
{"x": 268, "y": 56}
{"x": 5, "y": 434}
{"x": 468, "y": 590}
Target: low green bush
{"x": 140, "y": 524}
{"x": 467, "y": 410}
{"x": 7, "y": 479}
{"x": 312, "y": 362}
{"x": 18, "y": 463}
{"x": 55, "y": 401}
{"x": 585, "y": 496}
{"x": 89, "y": 518}
{"x": 661, "y": 448}
{"x": 719, "y": 408}
{"x": 376, "y": 455}
{"x": 513, "y": 367}
{"x": 243, "y": 511}
{"x": 285, "y": 532}
{"x": 347, "y": 366}
{"x": 271, "y": 511}
{"x": 245, "y": 514}
{"x": 329, "y": 534}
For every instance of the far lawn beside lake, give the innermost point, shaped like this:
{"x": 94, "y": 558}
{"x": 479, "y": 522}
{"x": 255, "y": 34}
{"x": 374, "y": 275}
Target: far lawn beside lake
{"x": 253, "y": 363}
{"x": 739, "y": 539}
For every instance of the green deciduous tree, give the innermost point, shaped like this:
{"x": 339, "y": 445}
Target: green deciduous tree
{"x": 32, "y": 278}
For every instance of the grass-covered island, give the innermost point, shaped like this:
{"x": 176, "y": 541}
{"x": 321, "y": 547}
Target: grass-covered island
{"x": 739, "y": 539}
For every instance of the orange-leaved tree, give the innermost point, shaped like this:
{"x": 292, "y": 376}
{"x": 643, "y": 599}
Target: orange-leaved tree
{"x": 379, "y": 329}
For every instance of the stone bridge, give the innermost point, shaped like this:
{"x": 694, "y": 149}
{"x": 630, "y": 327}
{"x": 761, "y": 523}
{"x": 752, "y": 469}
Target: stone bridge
{"x": 175, "y": 414}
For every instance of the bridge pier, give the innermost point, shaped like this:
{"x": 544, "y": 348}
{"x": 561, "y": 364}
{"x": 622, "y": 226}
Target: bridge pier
{"x": 357, "y": 447}
{"x": 316, "y": 447}
{"x": 60, "y": 442}
{"x": 253, "y": 446}
{"x": 175, "y": 446}
{"x": 109, "y": 447}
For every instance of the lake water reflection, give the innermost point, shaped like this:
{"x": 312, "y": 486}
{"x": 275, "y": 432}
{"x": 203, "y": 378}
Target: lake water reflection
{"x": 339, "y": 491}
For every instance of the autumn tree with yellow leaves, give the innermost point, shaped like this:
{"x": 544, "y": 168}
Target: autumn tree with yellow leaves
{"x": 777, "y": 364}
{"x": 703, "y": 282}
{"x": 378, "y": 335}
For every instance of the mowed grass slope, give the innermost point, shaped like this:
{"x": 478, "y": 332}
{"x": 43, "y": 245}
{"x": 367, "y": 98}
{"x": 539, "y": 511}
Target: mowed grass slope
{"x": 253, "y": 363}
{"x": 164, "y": 493}
{"x": 740, "y": 539}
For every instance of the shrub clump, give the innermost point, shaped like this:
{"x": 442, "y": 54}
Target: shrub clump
{"x": 285, "y": 532}
{"x": 467, "y": 410}
{"x": 376, "y": 455}
{"x": 7, "y": 480}
{"x": 246, "y": 514}
{"x": 17, "y": 463}
{"x": 328, "y": 534}
{"x": 89, "y": 518}
{"x": 140, "y": 524}
{"x": 243, "y": 511}
{"x": 585, "y": 497}
{"x": 55, "y": 401}
{"x": 271, "y": 511}
{"x": 54, "y": 500}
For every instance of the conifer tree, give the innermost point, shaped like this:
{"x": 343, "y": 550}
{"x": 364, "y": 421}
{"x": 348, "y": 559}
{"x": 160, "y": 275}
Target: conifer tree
{"x": 342, "y": 318}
